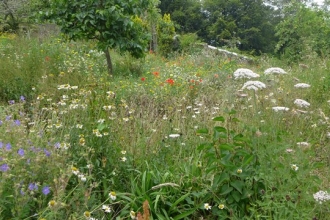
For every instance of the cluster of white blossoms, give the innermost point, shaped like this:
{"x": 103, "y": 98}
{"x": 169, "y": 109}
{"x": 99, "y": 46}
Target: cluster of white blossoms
{"x": 255, "y": 85}
{"x": 280, "y": 108}
{"x": 321, "y": 196}
{"x": 303, "y": 144}
{"x": 301, "y": 103}
{"x": 243, "y": 73}
{"x": 302, "y": 85}
{"x": 274, "y": 70}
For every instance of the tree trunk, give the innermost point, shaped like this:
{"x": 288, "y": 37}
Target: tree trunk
{"x": 109, "y": 63}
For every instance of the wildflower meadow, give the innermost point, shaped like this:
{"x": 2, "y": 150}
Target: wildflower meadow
{"x": 195, "y": 135}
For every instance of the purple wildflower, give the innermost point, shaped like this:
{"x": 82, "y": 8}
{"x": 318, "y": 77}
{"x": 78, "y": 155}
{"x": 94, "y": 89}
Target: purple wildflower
{"x": 17, "y": 122}
{"x": 33, "y": 186}
{"x": 8, "y": 146}
{"x": 22, "y": 98}
{"x": 47, "y": 153}
{"x": 46, "y": 190}
{"x": 1, "y": 144}
{"x": 4, "y": 167}
{"x": 1, "y": 122}
{"x": 8, "y": 117}
{"x": 20, "y": 152}
{"x": 11, "y": 102}
{"x": 57, "y": 145}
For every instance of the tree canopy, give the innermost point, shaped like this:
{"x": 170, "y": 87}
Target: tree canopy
{"x": 113, "y": 23}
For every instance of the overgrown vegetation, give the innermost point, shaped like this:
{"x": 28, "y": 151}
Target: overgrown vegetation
{"x": 184, "y": 133}
{"x": 178, "y": 133}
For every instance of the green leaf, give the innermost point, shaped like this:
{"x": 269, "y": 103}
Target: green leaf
{"x": 101, "y": 126}
{"x": 238, "y": 185}
{"x": 178, "y": 201}
{"x": 226, "y": 147}
{"x": 219, "y": 118}
{"x": 185, "y": 214}
{"x": 202, "y": 131}
{"x": 219, "y": 179}
{"x": 225, "y": 189}
{"x": 248, "y": 159}
{"x": 236, "y": 196}
{"x": 220, "y": 129}
{"x": 232, "y": 112}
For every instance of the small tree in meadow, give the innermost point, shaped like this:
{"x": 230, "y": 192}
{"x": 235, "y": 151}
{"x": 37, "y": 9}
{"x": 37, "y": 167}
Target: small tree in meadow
{"x": 112, "y": 23}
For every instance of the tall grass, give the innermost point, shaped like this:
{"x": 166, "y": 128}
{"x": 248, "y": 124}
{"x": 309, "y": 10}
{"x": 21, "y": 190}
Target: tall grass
{"x": 178, "y": 133}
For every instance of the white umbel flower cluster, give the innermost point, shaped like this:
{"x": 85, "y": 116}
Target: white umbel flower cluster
{"x": 280, "y": 108}
{"x": 253, "y": 85}
{"x": 301, "y": 103}
{"x": 243, "y": 73}
{"x": 321, "y": 196}
{"x": 275, "y": 70}
{"x": 302, "y": 85}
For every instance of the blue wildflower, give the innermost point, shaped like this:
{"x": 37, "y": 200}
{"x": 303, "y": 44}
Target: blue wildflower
{"x": 11, "y": 102}
{"x": 47, "y": 153}
{"x": 20, "y": 152}
{"x": 46, "y": 190}
{"x": 8, "y": 146}
{"x": 4, "y": 167}
{"x": 33, "y": 186}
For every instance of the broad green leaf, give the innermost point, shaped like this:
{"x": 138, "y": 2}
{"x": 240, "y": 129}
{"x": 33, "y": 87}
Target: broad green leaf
{"x": 225, "y": 189}
{"x": 219, "y": 179}
{"x": 236, "y": 195}
{"x": 202, "y": 131}
{"x": 220, "y": 129}
{"x": 219, "y": 118}
{"x": 226, "y": 147}
{"x": 238, "y": 185}
{"x": 248, "y": 159}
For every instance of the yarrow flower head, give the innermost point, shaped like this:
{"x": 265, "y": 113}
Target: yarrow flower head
{"x": 174, "y": 135}
{"x": 303, "y": 144}
{"x": 301, "y": 103}
{"x": 321, "y": 196}
{"x": 243, "y": 73}
{"x": 275, "y": 70}
{"x": 280, "y": 108}
{"x": 254, "y": 85}
{"x": 302, "y": 85}
{"x": 239, "y": 171}
{"x": 207, "y": 206}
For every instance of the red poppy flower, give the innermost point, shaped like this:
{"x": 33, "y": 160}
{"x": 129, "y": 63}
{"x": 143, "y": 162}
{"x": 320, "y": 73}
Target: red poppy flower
{"x": 156, "y": 74}
{"x": 143, "y": 79}
{"x": 170, "y": 81}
